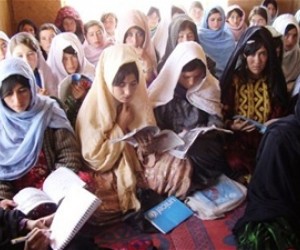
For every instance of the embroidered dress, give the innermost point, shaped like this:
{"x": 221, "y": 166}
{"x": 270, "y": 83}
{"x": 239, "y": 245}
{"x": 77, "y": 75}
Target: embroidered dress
{"x": 260, "y": 99}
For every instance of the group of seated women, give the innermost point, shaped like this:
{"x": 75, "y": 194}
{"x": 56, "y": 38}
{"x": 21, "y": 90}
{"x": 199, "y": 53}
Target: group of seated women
{"x": 126, "y": 94}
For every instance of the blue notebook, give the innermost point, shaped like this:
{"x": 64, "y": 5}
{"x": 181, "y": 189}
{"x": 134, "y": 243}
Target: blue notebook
{"x": 168, "y": 214}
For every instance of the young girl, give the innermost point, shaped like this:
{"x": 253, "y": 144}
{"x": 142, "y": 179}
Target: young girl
{"x": 42, "y": 140}
{"x": 186, "y": 96}
{"x": 287, "y": 26}
{"x": 95, "y": 41}
{"x": 25, "y": 46}
{"x": 258, "y": 16}
{"x": 47, "y": 32}
{"x": 235, "y": 21}
{"x": 66, "y": 58}
{"x": 217, "y": 42}
{"x": 133, "y": 29}
{"x": 69, "y": 20}
{"x": 116, "y": 104}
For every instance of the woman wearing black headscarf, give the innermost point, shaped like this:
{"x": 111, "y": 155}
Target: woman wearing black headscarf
{"x": 253, "y": 86}
{"x": 271, "y": 219}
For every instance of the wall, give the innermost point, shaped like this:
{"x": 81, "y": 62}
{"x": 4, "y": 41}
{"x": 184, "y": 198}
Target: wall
{"x": 39, "y": 11}
{"x": 284, "y": 6}
{"x": 6, "y": 16}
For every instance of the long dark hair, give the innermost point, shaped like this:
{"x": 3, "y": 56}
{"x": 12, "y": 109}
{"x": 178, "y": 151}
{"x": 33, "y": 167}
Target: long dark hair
{"x": 273, "y": 70}
{"x": 125, "y": 70}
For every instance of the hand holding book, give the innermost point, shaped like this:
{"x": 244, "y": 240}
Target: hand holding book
{"x": 259, "y": 126}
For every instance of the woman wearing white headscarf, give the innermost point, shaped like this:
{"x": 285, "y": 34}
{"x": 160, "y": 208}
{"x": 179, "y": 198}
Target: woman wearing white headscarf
{"x": 36, "y": 137}
{"x": 61, "y": 42}
{"x": 133, "y": 29}
{"x": 4, "y": 40}
{"x": 185, "y": 96}
{"x": 286, "y": 24}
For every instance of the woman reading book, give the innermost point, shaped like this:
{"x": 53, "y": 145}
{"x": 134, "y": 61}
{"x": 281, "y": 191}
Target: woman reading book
{"x": 116, "y": 104}
{"x": 36, "y": 135}
{"x": 253, "y": 86}
{"x": 186, "y": 96}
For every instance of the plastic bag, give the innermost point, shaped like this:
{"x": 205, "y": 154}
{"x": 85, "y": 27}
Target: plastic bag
{"x": 213, "y": 202}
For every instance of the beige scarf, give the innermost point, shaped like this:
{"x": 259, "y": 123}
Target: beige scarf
{"x": 96, "y": 124}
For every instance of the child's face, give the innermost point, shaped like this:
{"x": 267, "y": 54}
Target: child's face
{"x": 69, "y": 24}
{"x": 46, "y": 37}
{"x": 215, "y": 21}
{"x": 71, "y": 63}
{"x": 272, "y": 10}
{"x": 234, "y": 19}
{"x": 124, "y": 91}
{"x": 257, "y": 20}
{"x": 135, "y": 37}
{"x": 95, "y": 36}
{"x": 18, "y": 99}
{"x": 186, "y": 35}
{"x": 290, "y": 39}
{"x": 188, "y": 79}
{"x": 26, "y": 54}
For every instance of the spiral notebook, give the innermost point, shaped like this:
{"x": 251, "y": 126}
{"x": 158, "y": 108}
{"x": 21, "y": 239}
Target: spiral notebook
{"x": 73, "y": 212}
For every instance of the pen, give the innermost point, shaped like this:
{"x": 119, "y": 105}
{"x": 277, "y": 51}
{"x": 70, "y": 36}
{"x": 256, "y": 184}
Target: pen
{"x": 24, "y": 238}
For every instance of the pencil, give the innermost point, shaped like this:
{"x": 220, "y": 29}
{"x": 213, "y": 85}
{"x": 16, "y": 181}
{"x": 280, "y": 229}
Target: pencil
{"x": 24, "y": 238}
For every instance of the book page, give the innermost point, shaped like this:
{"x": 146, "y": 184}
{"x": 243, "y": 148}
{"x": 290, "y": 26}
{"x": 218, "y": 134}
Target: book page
{"x": 58, "y": 183}
{"x": 30, "y": 198}
{"x": 167, "y": 139}
{"x": 129, "y": 137}
{"x": 75, "y": 209}
{"x": 190, "y": 136}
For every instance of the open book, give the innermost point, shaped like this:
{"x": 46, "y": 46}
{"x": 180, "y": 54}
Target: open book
{"x": 176, "y": 144}
{"x": 73, "y": 212}
{"x": 190, "y": 136}
{"x": 55, "y": 187}
{"x": 168, "y": 214}
{"x": 74, "y": 204}
{"x": 167, "y": 139}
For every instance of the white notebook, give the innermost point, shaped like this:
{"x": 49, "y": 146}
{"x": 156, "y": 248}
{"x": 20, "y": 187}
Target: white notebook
{"x": 73, "y": 212}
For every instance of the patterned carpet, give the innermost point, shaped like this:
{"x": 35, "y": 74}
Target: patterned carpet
{"x": 192, "y": 234}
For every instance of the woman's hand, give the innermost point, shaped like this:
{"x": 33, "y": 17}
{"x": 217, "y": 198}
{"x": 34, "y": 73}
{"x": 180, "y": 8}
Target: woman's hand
{"x": 42, "y": 91}
{"x": 240, "y": 125}
{"x": 38, "y": 240}
{"x": 78, "y": 91}
{"x": 125, "y": 115}
{"x": 42, "y": 223}
{"x": 7, "y": 204}
{"x": 147, "y": 143}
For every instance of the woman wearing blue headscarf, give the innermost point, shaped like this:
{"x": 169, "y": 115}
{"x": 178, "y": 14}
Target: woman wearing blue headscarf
{"x": 217, "y": 41}
{"x": 36, "y": 136}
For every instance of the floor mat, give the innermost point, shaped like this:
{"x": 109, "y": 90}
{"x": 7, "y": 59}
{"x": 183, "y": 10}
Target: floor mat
{"x": 192, "y": 234}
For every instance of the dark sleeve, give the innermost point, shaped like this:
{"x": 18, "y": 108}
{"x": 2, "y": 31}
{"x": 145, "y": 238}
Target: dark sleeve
{"x": 9, "y": 226}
